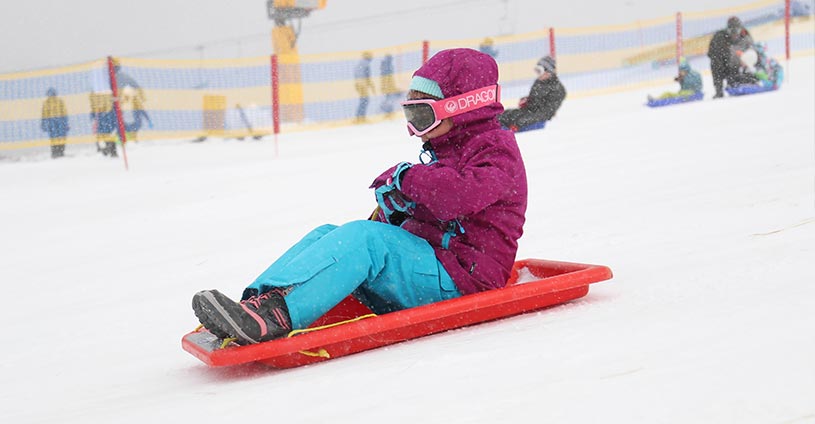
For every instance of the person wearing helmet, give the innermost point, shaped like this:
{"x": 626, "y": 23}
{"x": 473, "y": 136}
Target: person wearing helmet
{"x": 445, "y": 227}
{"x": 722, "y": 51}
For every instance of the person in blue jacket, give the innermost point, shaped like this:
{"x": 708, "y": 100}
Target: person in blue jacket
{"x": 768, "y": 71}
{"x": 690, "y": 82}
{"x": 103, "y": 116}
{"x": 488, "y": 47}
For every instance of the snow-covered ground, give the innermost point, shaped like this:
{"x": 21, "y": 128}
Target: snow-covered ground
{"x": 705, "y": 212}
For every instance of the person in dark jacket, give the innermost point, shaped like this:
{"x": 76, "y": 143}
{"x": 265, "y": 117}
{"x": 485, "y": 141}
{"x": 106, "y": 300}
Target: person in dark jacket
{"x": 544, "y": 99}
{"x": 444, "y": 228}
{"x": 722, "y": 51}
{"x": 55, "y": 122}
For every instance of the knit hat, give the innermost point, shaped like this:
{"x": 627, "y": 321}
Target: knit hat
{"x": 734, "y": 26}
{"x": 546, "y": 64}
{"x": 734, "y": 23}
{"x": 427, "y": 86}
{"x": 684, "y": 65}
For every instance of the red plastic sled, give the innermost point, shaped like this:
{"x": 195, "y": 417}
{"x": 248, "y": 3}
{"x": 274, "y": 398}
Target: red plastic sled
{"x": 533, "y": 284}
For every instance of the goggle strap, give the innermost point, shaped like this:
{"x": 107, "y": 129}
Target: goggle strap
{"x": 469, "y": 101}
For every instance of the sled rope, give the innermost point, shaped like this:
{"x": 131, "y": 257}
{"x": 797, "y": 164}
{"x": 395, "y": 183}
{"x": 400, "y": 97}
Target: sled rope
{"x": 334, "y": 324}
{"x": 786, "y": 228}
{"x": 227, "y": 341}
{"x": 322, "y": 353}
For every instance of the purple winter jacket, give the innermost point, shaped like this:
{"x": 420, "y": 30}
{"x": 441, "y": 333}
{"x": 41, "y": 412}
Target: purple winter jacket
{"x": 479, "y": 179}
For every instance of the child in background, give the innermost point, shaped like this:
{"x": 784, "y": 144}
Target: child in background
{"x": 768, "y": 71}
{"x": 446, "y": 227}
{"x": 543, "y": 101}
{"x": 690, "y": 82}
{"x": 54, "y": 121}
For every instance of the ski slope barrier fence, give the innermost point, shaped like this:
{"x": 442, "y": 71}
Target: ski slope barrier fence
{"x": 195, "y": 99}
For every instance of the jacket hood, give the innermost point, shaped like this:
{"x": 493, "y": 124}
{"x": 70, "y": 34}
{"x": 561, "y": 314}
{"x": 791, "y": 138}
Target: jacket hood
{"x": 458, "y": 71}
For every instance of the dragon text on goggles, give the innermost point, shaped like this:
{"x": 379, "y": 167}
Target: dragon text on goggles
{"x": 424, "y": 115}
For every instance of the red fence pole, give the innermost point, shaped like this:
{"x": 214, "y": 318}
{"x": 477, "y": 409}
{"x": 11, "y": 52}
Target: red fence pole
{"x": 678, "y": 37}
{"x": 787, "y": 27}
{"x": 275, "y": 96}
{"x": 552, "y": 51}
{"x": 114, "y": 88}
{"x": 425, "y": 51}
{"x": 275, "y": 75}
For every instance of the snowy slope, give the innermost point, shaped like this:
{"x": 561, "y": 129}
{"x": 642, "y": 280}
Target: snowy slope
{"x": 703, "y": 211}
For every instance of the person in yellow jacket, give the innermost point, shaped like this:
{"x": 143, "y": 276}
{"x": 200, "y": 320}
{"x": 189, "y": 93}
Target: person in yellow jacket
{"x": 363, "y": 84}
{"x": 55, "y": 122}
{"x": 390, "y": 92}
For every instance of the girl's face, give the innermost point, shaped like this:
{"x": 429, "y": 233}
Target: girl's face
{"x": 443, "y": 128}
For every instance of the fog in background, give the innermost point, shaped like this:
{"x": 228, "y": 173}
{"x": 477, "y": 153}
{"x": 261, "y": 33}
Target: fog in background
{"x": 49, "y": 33}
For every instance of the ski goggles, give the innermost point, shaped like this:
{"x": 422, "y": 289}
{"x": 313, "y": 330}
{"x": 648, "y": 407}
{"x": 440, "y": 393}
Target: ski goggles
{"x": 424, "y": 115}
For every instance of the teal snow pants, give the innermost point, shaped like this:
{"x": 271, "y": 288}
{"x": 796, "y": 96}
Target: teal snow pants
{"x": 383, "y": 266}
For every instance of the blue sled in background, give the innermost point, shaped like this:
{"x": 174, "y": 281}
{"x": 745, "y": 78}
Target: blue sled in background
{"x": 531, "y": 127}
{"x": 743, "y": 90}
{"x": 676, "y": 100}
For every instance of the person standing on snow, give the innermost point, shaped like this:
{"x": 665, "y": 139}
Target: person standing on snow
{"x": 390, "y": 92}
{"x": 544, "y": 99}
{"x": 133, "y": 97}
{"x": 722, "y": 51}
{"x": 363, "y": 84}
{"x": 55, "y": 122}
{"x": 487, "y": 46}
{"x": 444, "y": 228}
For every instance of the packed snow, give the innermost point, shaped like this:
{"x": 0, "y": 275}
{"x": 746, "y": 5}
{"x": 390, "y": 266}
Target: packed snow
{"x": 704, "y": 211}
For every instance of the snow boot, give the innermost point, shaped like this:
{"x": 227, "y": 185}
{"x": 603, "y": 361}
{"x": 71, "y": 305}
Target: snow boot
{"x": 257, "y": 319}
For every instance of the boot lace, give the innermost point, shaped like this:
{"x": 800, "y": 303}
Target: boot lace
{"x": 257, "y": 300}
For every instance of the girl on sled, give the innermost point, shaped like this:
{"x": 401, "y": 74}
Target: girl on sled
{"x": 445, "y": 227}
